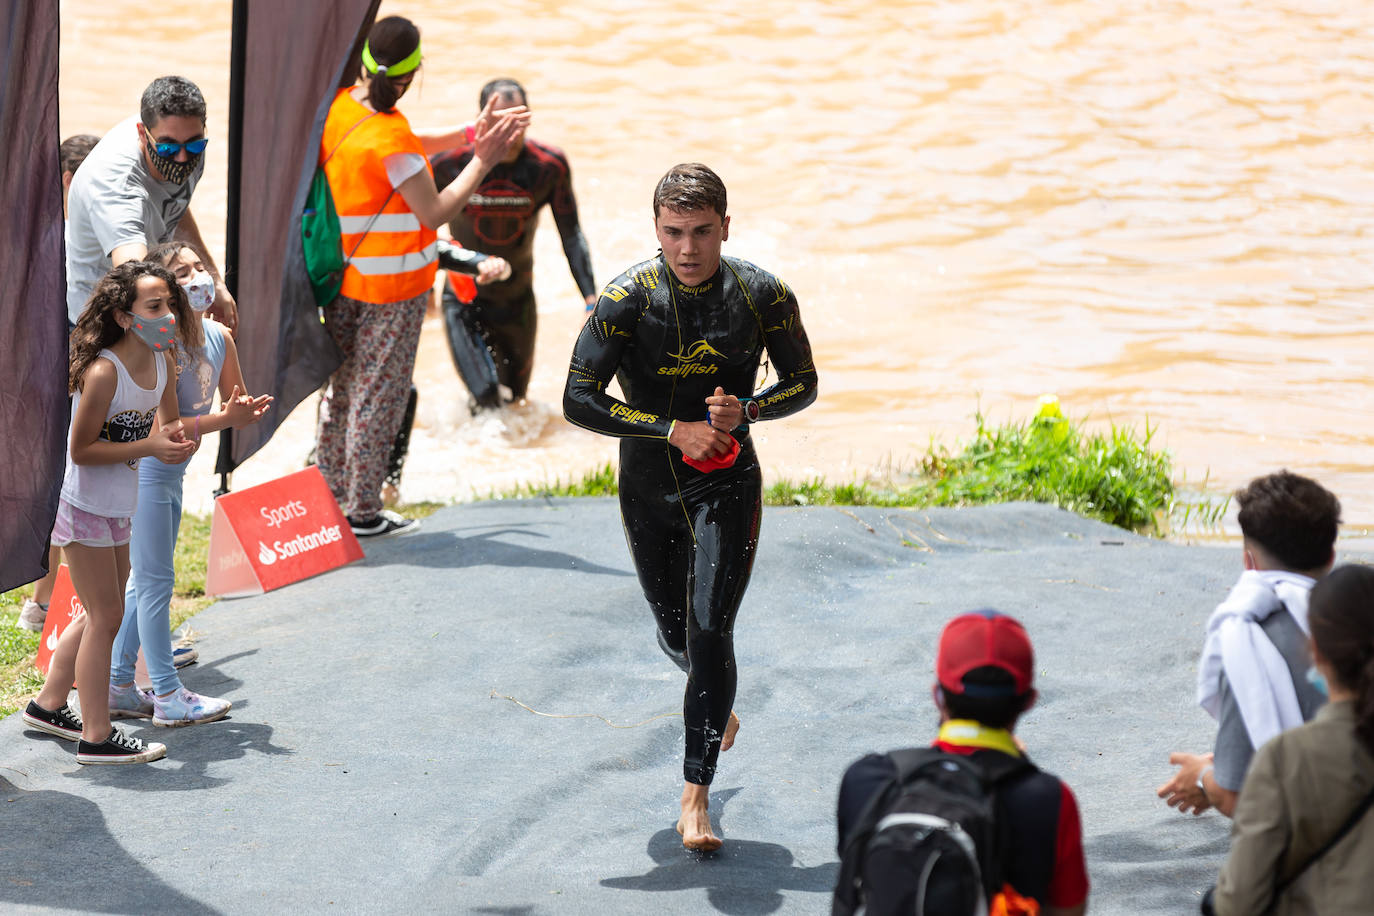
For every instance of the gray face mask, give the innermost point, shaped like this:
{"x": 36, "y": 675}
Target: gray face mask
{"x": 159, "y": 334}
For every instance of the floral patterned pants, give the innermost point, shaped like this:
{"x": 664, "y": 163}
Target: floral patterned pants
{"x": 363, "y": 406}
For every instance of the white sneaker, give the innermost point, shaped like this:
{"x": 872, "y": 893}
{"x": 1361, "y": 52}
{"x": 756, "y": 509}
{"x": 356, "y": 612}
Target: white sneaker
{"x": 182, "y": 707}
{"x": 130, "y": 703}
{"x": 32, "y": 616}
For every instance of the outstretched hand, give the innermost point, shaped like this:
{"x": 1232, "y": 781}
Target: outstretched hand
{"x": 494, "y": 130}
{"x": 242, "y": 410}
{"x": 1182, "y": 791}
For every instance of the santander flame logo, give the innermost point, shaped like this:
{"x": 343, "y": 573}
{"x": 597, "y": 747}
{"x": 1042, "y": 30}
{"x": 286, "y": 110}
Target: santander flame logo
{"x": 266, "y": 555}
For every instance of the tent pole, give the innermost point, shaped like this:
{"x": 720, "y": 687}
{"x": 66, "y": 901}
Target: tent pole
{"x": 238, "y": 57}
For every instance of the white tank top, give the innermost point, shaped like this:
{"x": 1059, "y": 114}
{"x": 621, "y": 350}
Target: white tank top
{"x": 111, "y": 490}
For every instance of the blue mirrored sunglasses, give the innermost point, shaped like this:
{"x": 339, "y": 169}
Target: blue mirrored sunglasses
{"x": 192, "y": 147}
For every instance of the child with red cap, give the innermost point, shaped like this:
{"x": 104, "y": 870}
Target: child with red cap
{"x": 984, "y": 681}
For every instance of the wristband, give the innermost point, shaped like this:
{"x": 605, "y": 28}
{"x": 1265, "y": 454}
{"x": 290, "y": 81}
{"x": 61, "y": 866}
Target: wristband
{"x": 1201, "y": 787}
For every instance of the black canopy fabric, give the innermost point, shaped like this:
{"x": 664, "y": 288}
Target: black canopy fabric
{"x": 33, "y": 298}
{"x": 295, "y": 56}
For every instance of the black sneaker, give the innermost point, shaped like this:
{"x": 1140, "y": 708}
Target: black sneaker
{"x": 119, "y": 748}
{"x": 64, "y": 723}
{"x": 383, "y": 525}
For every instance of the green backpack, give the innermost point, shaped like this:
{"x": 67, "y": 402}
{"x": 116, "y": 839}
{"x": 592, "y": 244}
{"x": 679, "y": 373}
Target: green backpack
{"x": 321, "y": 237}
{"x": 322, "y": 241}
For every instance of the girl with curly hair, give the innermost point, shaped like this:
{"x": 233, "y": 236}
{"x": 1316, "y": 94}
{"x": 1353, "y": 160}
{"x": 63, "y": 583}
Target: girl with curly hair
{"x": 124, "y": 410}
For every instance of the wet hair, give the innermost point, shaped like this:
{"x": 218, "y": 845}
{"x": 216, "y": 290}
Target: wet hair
{"x": 391, "y": 41}
{"x": 503, "y": 87}
{"x": 992, "y": 711}
{"x": 75, "y": 149}
{"x": 1292, "y": 517}
{"x": 690, "y": 186}
{"x": 97, "y": 328}
{"x": 171, "y": 97}
{"x": 1340, "y": 616}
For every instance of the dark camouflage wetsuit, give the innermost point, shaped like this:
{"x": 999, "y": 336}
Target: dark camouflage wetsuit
{"x": 500, "y": 219}
{"x": 692, "y": 534}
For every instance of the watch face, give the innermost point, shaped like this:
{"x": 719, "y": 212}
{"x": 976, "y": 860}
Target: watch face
{"x": 751, "y": 410}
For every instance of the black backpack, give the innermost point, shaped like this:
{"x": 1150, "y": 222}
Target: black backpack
{"x": 928, "y": 843}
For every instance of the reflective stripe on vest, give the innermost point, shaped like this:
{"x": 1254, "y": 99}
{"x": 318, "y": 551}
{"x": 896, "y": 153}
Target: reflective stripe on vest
{"x": 385, "y": 222}
{"x": 381, "y": 265}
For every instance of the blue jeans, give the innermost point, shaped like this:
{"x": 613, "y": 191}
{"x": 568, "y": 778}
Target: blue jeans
{"x": 148, "y": 597}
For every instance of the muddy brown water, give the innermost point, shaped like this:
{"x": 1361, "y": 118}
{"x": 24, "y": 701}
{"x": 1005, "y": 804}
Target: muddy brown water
{"x": 1159, "y": 212}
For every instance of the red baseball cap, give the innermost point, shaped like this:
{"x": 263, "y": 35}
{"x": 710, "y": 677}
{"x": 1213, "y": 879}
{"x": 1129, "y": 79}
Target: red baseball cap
{"x": 982, "y": 639}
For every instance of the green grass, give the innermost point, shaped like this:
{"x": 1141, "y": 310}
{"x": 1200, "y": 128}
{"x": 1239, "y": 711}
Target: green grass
{"x": 1116, "y": 475}
{"x": 597, "y": 482}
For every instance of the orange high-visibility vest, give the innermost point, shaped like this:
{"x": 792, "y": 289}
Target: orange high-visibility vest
{"x": 396, "y": 258}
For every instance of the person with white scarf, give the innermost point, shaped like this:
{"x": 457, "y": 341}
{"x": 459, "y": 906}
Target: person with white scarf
{"x": 1252, "y": 676}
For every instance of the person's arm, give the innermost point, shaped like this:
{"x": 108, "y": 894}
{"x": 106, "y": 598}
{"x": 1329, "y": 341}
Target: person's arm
{"x": 132, "y": 251}
{"x": 790, "y": 352}
{"x": 434, "y": 207}
{"x": 98, "y": 390}
{"x": 1259, "y": 838}
{"x": 443, "y": 139}
{"x": 1068, "y": 891}
{"x": 564, "y": 207}
{"x": 224, "y": 309}
{"x": 484, "y": 267}
{"x": 237, "y": 408}
{"x": 595, "y": 359}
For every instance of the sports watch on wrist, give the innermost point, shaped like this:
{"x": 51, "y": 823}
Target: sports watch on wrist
{"x": 751, "y": 410}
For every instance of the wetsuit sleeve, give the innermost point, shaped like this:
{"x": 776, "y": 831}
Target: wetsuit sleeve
{"x": 595, "y": 359}
{"x": 564, "y": 207}
{"x": 456, "y": 258}
{"x": 788, "y": 349}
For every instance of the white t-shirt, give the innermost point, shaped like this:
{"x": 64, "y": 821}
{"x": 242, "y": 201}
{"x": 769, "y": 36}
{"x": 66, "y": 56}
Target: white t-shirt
{"x": 114, "y": 200}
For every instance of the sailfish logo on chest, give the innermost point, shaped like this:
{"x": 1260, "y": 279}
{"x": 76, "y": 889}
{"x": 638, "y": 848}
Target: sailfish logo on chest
{"x": 696, "y": 360}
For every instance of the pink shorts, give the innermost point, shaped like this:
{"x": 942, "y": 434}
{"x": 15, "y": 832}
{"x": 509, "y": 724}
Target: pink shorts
{"x": 75, "y": 525}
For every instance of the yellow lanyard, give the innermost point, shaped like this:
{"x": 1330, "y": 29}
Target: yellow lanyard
{"x": 968, "y": 733}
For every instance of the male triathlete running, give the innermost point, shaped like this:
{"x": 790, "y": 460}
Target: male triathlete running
{"x": 683, "y": 334}
{"x": 500, "y": 219}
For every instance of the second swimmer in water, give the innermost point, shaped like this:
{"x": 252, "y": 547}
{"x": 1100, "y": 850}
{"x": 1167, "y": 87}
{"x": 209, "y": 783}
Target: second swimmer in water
{"x": 683, "y": 333}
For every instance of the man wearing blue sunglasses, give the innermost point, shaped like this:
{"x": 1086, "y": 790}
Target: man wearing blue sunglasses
{"x": 134, "y": 192}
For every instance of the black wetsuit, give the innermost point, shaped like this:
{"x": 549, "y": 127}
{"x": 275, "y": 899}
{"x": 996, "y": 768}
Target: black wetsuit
{"x": 692, "y": 534}
{"x": 500, "y": 219}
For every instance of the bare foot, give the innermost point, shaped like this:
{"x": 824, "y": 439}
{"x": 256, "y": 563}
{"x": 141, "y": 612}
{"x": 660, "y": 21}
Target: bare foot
{"x": 695, "y": 823}
{"x": 731, "y": 728}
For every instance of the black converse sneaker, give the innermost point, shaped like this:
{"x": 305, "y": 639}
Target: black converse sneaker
{"x": 383, "y": 525}
{"x": 64, "y": 722}
{"x": 119, "y": 748}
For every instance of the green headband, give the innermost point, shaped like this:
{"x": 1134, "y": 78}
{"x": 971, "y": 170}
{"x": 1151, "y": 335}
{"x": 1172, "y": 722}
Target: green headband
{"x": 400, "y": 68}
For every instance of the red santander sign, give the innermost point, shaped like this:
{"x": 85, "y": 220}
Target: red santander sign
{"x": 277, "y": 533}
{"x": 63, "y": 610}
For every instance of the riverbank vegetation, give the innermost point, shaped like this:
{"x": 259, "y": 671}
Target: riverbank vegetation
{"x": 1114, "y": 474}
